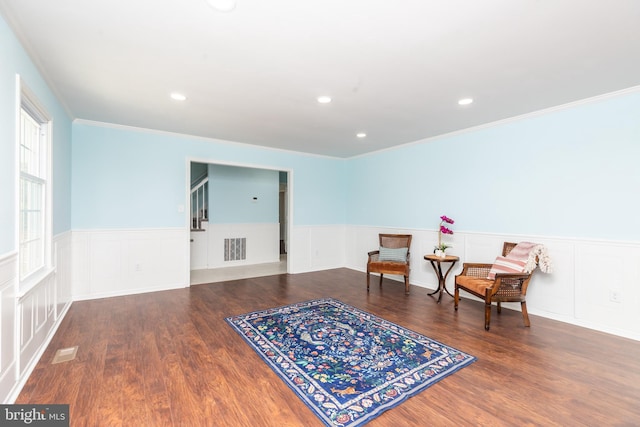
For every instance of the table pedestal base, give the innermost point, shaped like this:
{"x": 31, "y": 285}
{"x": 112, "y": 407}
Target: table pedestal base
{"x": 436, "y": 263}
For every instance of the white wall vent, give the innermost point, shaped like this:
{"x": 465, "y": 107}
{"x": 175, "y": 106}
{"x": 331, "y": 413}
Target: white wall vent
{"x": 235, "y": 249}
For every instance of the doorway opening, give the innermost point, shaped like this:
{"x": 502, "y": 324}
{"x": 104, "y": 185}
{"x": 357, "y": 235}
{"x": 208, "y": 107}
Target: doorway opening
{"x": 239, "y": 220}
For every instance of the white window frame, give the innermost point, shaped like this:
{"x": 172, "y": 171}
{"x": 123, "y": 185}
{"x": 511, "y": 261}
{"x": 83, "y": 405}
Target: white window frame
{"x": 27, "y": 101}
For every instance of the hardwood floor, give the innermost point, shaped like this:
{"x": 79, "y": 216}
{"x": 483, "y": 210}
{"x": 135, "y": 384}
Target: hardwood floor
{"x": 170, "y": 359}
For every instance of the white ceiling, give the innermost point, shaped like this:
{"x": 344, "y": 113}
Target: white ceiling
{"x": 395, "y": 69}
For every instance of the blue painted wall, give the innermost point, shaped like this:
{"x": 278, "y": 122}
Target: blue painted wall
{"x": 572, "y": 172}
{"x": 14, "y": 60}
{"x": 128, "y": 178}
{"x": 232, "y": 191}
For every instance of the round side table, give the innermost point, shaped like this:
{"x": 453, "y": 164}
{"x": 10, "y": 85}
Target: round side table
{"x": 436, "y": 263}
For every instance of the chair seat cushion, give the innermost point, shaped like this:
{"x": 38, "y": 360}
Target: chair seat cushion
{"x": 476, "y": 285}
{"x": 388, "y": 267}
{"x": 393, "y": 254}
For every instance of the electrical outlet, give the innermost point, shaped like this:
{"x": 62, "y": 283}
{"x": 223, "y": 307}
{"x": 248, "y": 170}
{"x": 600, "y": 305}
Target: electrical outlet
{"x": 138, "y": 267}
{"x": 615, "y": 296}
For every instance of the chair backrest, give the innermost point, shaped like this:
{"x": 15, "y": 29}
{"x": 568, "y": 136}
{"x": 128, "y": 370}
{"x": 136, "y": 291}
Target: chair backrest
{"x": 395, "y": 240}
{"x": 506, "y": 248}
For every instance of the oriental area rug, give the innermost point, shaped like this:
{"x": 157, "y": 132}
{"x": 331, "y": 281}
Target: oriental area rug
{"x": 348, "y": 366}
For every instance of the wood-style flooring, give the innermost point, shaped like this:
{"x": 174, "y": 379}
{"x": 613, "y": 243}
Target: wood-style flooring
{"x": 169, "y": 359}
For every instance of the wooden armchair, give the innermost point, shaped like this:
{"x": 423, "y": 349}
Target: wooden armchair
{"x": 506, "y": 287}
{"x": 392, "y": 258}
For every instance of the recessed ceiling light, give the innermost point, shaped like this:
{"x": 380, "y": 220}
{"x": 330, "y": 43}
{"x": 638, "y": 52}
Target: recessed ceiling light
{"x": 465, "y": 101}
{"x": 222, "y": 5}
{"x": 324, "y": 99}
{"x": 361, "y": 135}
{"x": 178, "y": 96}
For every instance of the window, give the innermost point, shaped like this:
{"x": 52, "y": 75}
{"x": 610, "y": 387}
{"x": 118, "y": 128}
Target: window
{"x": 34, "y": 202}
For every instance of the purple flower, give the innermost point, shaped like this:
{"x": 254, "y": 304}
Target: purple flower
{"x": 446, "y": 219}
{"x": 445, "y": 230}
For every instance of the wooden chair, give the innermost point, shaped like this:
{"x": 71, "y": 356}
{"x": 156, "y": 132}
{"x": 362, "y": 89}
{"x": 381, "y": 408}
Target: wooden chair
{"x": 506, "y": 287}
{"x": 393, "y": 260}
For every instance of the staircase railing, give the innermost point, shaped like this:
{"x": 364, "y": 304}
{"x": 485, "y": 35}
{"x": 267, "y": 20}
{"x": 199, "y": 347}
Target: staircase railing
{"x": 200, "y": 204}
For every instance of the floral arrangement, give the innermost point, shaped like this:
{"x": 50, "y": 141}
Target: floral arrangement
{"x": 444, "y": 230}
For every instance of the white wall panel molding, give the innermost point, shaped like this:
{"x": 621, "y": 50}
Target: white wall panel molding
{"x": 609, "y": 291}
{"x": 40, "y": 311}
{"x": 37, "y": 319}
{"x": 319, "y": 247}
{"x": 594, "y": 283}
{"x": 262, "y": 243}
{"x": 110, "y": 263}
{"x": 8, "y": 319}
{"x": 29, "y": 320}
{"x": 63, "y": 259}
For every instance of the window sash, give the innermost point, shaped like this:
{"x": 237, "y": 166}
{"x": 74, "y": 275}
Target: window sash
{"x": 31, "y": 145}
{"x": 32, "y": 195}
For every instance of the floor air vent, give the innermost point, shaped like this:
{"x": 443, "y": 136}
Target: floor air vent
{"x": 235, "y": 249}
{"x": 65, "y": 355}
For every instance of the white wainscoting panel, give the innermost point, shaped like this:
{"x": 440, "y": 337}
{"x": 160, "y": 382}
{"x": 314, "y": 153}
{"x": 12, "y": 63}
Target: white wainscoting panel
{"x": 43, "y": 307}
{"x": 553, "y": 295}
{"x": 8, "y": 319}
{"x": 263, "y": 243}
{"x": 62, "y": 254}
{"x": 608, "y": 285}
{"x": 31, "y": 319}
{"x": 320, "y": 247}
{"x": 37, "y": 319}
{"x": 109, "y": 263}
{"x": 595, "y": 284}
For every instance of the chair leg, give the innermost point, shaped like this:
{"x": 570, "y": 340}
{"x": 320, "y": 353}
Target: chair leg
{"x": 487, "y": 315}
{"x": 523, "y": 304}
{"x": 499, "y": 307}
{"x": 368, "y": 278}
{"x": 406, "y": 285}
{"x": 381, "y": 279}
{"x": 456, "y": 298}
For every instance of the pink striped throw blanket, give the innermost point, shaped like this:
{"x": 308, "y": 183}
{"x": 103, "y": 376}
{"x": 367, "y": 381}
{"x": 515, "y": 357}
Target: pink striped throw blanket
{"x": 522, "y": 250}
{"x": 505, "y": 265}
{"x": 524, "y": 257}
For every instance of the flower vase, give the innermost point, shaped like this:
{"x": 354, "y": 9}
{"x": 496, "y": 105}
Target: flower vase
{"x": 440, "y": 253}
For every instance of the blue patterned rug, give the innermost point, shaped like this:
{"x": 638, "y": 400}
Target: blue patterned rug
{"x": 347, "y": 365}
